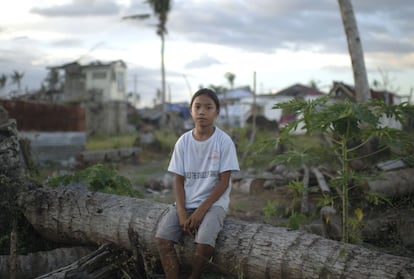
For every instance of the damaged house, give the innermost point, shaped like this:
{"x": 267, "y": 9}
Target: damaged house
{"x": 101, "y": 89}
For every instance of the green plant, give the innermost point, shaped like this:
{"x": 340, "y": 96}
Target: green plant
{"x": 166, "y": 140}
{"x": 295, "y": 220}
{"x": 355, "y": 226}
{"x": 350, "y": 128}
{"x": 256, "y": 158}
{"x": 296, "y": 187}
{"x": 325, "y": 199}
{"x": 271, "y": 210}
{"x": 377, "y": 199}
{"x": 99, "y": 178}
{"x": 237, "y": 206}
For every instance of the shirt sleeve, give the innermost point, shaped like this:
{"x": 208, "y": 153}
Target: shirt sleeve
{"x": 229, "y": 161}
{"x": 176, "y": 164}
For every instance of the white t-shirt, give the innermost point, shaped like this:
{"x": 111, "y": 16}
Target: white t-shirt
{"x": 201, "y": 162}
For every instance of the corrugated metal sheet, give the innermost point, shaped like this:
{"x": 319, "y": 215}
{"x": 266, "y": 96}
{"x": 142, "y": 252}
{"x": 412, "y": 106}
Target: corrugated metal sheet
{"x": 32, "y": 116}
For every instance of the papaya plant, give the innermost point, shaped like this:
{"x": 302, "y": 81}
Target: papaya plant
{"x": 349, "y": 127}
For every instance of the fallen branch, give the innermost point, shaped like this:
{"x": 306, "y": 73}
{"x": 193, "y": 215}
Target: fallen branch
{"x": 105, "y": 262}
{"x": 321, "y": 181}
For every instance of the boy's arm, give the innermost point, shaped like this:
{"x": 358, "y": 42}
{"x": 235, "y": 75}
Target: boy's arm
{"x": 195, "y": 219}
{"x": 180, "y": 198}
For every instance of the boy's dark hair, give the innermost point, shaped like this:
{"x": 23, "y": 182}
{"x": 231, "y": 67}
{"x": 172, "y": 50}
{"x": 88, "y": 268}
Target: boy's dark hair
{"x": 210, "y": 93}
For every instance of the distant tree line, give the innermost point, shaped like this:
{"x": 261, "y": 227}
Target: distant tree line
{"x": 16, "y": 78}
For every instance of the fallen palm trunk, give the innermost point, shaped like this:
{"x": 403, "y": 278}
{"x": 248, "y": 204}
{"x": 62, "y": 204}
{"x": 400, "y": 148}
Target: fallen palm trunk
{"x": 394, "y": 183}
{"x": 391, "y": 226}
{"x": 251, "y": 249}
{"x": 250, "y": 186}
{"x": 35, "y": 264}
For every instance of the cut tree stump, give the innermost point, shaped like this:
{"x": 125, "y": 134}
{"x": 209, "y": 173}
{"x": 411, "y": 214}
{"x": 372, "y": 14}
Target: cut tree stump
{"x": 252, "y": 249}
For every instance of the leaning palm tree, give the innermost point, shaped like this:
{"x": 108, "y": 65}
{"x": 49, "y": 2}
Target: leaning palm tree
{"x": 160, "y": 9}
{"x": 17, "y": 79}
{"x": 362, "y": 90}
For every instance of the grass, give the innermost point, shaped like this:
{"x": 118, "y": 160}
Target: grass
{"x": 145, "y": 171}
{"x": 98, "y": 142}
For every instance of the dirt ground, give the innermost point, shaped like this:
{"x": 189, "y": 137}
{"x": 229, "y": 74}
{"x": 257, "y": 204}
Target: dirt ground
{"x": 242, "y": 206}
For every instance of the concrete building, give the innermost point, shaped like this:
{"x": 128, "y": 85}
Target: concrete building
{"x": 94, "y": 81}
{"x": 238, "y": 104}
{"x": 101, "y": 89}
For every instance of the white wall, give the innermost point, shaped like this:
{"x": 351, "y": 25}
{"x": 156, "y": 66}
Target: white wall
{"x": 110, "y": 79}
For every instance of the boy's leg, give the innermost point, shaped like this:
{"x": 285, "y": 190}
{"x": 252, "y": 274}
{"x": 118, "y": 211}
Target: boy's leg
{"x": 203, "y": 254}
{"x": 168, "y": 258}
{"x": 206, "y": 239}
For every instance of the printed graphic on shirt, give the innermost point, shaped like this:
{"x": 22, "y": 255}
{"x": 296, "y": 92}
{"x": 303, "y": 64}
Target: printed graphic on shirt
{"x": 201, "y": 175}
{"x": 214, "y": 159}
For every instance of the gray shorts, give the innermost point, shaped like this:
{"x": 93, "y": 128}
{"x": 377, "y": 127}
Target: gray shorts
{"x": 169, "y": 227}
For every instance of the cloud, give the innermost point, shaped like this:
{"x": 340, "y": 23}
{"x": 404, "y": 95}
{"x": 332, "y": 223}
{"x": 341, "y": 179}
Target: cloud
{"x": 267, "y": 25}
{"x": 64, "y": 43}
{"x": 79, "y": 8}
{"x": 207, "y": 38}
{"x": 202, "y": 62}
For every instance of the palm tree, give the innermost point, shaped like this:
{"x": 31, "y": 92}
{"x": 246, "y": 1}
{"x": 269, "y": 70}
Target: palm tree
{"x": 53, "y": 83}
{"x": 217, "y": 88}
{"x": 53, "y": 79}
{"x": 3, "y": 81}
{"x": 230, "y": 77}
{"x": 17, "y": 79}
{"x": 160, "y": 9}
{"x": 355, "y": 51}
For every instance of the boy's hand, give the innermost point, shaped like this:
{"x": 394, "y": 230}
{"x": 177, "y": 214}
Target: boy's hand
{"x": 193, "y": 222}
{"x": 182, "y": 218}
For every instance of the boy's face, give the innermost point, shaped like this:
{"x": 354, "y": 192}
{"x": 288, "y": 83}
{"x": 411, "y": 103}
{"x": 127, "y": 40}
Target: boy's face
{"x": 203, "y": 111}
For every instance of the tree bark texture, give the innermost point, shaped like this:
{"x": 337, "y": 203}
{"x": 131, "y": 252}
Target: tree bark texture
{"x": 35, "y": 264}
{"x": 355, "y": 51}
{"x": 252, "y": 249}
{"x": 10, "y": 158}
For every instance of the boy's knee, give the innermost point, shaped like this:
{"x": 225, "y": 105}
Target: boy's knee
{"x": 164, "y": 244}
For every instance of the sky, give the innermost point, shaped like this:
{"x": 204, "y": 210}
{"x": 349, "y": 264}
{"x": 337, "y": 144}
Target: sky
{"x": 283, "y": 42}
